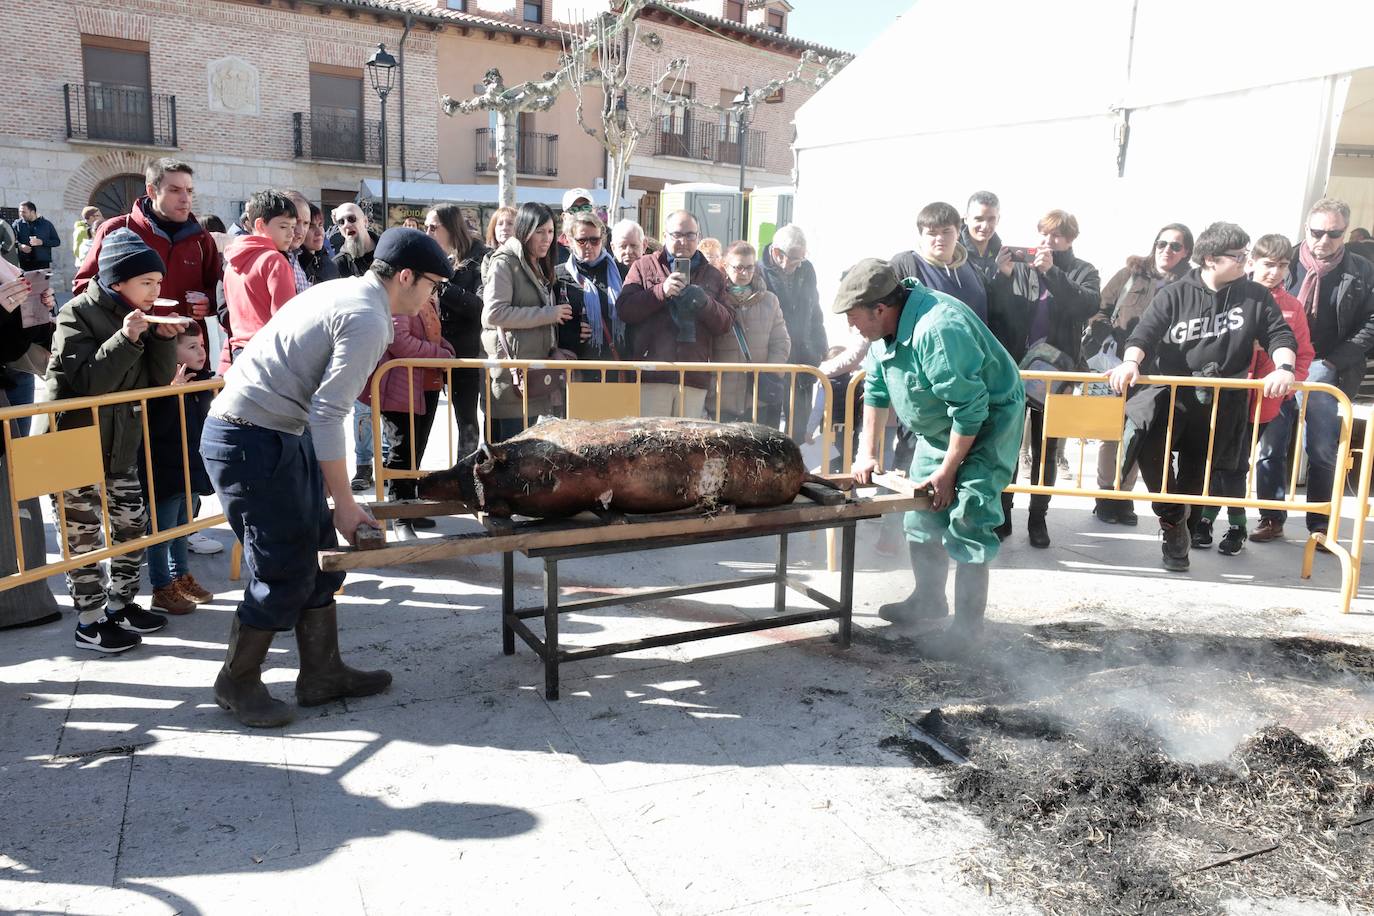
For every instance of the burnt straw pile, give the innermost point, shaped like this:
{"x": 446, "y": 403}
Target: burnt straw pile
{"x": 1132, "y": 772}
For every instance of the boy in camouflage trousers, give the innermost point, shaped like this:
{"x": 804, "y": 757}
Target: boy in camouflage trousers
{"x": 104, "y": 343}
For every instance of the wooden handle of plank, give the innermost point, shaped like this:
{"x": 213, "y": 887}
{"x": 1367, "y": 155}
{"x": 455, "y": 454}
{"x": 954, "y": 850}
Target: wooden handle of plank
{"x": 369, "y": 538}
{"x": 899, "y": 483}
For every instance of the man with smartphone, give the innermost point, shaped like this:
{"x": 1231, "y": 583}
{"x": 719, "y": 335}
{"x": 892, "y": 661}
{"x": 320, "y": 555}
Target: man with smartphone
{"x": 672, "y": 302}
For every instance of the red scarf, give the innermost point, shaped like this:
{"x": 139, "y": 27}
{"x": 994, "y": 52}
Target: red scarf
{"x": 1312, "y": 280}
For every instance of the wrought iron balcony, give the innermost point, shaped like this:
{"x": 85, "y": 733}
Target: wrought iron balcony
{"x": 710, "y": 142}
{"x": 120, "y": 114}
{"x": 535, "y": 154}
{"x": 336, "y": 136}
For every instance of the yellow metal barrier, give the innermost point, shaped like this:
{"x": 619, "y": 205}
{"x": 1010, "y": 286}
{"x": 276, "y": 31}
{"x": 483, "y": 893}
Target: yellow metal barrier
{"x": 1362, "y": 507}
{"x": 1102, "y": 417}
{"x": 54, "y": 462}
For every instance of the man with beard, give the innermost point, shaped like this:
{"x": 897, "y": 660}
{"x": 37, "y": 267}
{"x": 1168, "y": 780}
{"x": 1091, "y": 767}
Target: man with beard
{"x": 358, "y": 241}
{"x": 940, "y": 262}
{"x": 1336, "y": 291}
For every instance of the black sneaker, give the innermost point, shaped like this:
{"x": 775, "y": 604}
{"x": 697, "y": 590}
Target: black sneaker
{"x": 1175, "y": 546}
{"x": 134, "y": 618}
{"x": 1202, "y": 534}
{"x": 1232, "y": 542}
{"x": 105, "y": 636}
{"x": 362, "y": 478}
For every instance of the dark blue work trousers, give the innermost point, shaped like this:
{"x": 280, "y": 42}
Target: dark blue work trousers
{"x": 272, "y": 491}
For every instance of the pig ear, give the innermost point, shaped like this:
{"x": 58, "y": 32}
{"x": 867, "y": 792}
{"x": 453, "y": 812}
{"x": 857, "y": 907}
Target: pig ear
{"x": 484, "y": 455}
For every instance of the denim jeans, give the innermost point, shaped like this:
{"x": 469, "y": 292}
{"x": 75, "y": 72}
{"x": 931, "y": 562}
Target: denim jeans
{"x": 169, "y": 560}
{"x": 1271, "y": 461}
{"x": 272, "y": 490}
{"x": 1323, "y": 433}
{"x": 20, "y": 395}
{"x": 362, "y": 434}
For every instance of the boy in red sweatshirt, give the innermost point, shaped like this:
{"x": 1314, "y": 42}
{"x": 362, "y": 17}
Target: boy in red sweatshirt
{"x": 1269, "y": 260}
{"x": 258, "y": 280}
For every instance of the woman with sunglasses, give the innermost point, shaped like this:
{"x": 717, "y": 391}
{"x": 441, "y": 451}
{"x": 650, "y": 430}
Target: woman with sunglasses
{"x": 1124, "y": 300}
{"x": 520, "y": 316}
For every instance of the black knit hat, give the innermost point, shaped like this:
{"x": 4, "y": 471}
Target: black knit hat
{"x": 401, "y": 248}
{"x": 123, "y": 256}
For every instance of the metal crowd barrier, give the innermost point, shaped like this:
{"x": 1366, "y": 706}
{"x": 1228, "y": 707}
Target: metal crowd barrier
{"x": 1073, "y": 414}
{"x": 54, "y": 462}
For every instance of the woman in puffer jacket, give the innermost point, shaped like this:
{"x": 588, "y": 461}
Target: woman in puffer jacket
{"x": 758, "y": 334}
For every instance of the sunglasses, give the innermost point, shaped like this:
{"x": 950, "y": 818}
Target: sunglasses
{"x": 1175, "y": 247}
{"x": 589, "y": 242}
{"x": 350, "y": 218}
{"x": 1236, "y": 255}
{"x": 1329, "y": 233}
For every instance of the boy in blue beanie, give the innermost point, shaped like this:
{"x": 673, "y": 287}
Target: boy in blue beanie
{"x": 104, "y": 343}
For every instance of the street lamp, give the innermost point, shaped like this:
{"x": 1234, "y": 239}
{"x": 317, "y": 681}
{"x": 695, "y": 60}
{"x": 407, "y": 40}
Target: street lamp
{"x": 622, "y": 114}
{"x": 381, "y": 71}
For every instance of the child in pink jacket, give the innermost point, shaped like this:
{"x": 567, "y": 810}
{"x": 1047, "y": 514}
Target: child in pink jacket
{"x": 258, "y": 280}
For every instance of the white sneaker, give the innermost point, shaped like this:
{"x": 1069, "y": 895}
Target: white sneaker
{"x": 205, "y": 546}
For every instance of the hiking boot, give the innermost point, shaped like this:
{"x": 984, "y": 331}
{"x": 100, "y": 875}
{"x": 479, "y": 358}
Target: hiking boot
{"x": 1108, "y": 510}
{"x": 132, "y": 617}
{"x": 193, "y": 589}
{"x": 105, "y": 636}
{"x": 362, "y": 478}
{"x": 1175, "y": 546}
{"x": 1037, "y": 531}
{"x": 1232, "y": 542}
{"x": 239, "y": 687}
{"x": 1125, "y": 514}
{"x": 1270, "y": 529}
{"x": 1202, "y": 534}
{"x": 169, "y": 599}
{"x": 324, "y": 676}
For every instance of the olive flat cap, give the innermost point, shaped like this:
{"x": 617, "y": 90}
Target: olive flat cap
{"x": 864, "y": 284}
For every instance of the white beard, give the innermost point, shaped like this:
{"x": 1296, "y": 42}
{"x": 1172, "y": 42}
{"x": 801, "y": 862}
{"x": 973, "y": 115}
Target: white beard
{"x": 354, "y": 246}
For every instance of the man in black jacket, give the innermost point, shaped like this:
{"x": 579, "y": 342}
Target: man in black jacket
{"x": 1044, "y": 302}
{"x": 1336, "y": 289}
{"x": 979, "y": 235}
{"x": 37, "y": 238}
{"x": 790, "y": 277}
{"x": 1207, "y": 325}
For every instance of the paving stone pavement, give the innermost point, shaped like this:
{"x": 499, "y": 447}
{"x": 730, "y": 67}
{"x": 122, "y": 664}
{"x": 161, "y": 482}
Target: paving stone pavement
{"x": 739, "y": 775}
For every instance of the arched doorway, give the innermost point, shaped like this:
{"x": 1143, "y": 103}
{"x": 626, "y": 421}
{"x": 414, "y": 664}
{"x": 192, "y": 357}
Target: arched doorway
{"x": 115, "y": 196}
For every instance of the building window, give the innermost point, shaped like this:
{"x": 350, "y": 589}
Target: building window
{"x": 337, "y": 127}
{"x": 734, "y": 10}
{"x": 459, "y": 5}
{"x": 777, "y": 21}
{"x": 118, "y": 93}
{"x": 534, "y": 11}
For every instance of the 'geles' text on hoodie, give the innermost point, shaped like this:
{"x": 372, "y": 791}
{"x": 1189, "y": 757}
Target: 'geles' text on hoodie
{"x": 1189, "y": 329}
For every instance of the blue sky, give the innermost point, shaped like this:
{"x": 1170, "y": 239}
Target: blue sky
{"x": 840, "y": 24}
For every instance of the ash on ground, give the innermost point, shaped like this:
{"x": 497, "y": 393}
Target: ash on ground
{"x": 1136, "y": 771}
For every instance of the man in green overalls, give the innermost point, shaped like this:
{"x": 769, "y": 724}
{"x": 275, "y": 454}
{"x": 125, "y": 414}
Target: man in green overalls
{"x": 952, "y": 384}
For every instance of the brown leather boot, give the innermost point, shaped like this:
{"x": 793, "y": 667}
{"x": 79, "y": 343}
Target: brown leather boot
{"x": 324, "y": 676}
{"x": 239, "y": 687}
{"x": 1269, "y": 530}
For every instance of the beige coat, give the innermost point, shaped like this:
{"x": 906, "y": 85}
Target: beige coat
{"x": 765, "y": 332}
{"x": 516, "y": 300}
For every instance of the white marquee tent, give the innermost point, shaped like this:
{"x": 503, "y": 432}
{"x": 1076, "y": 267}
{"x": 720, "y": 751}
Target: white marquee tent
{"x": 1129, "y": 113}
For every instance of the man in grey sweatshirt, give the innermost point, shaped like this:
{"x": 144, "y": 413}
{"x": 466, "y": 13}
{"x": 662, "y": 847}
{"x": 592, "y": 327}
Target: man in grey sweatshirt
{"x": 274, "y": 446}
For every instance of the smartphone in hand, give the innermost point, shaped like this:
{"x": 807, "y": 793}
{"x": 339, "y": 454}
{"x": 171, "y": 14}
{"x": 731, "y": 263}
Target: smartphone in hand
{"x": 683, "y": 266}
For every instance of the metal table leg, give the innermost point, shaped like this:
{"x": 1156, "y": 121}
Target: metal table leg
{"x": 507, "y": 603}
{"x": 780, "y": 586}
{"x": 846, "y": 584}
{"x": 550, "y": 628}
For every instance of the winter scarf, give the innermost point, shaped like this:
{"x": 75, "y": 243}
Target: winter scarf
{"x": 591, "y": 299}
{"x": 1312, "y": 280}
